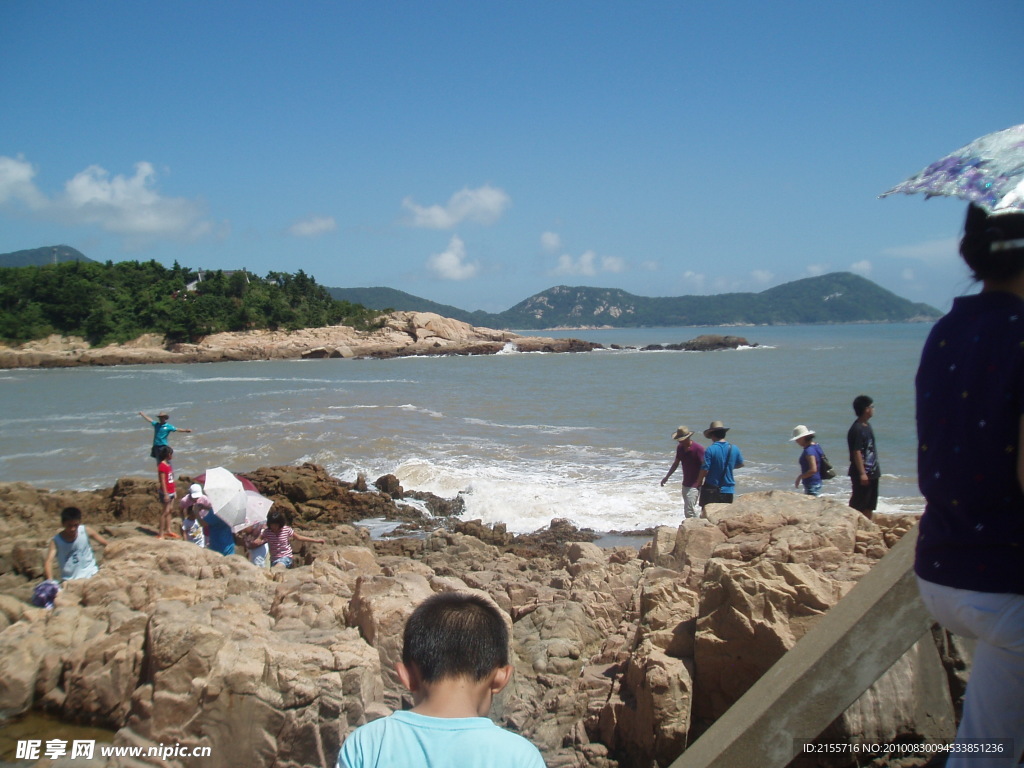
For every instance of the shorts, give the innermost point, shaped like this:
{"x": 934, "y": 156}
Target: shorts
{"x": 864, "y": 497}
{"x": 285, "y": 561}
{"x": 814, "y": 489}
{"x": 166, "y": 496}
{"x": 258, "y": 556}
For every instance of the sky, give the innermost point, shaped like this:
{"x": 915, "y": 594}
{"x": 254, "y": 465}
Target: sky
{"x": 476, "y": 153}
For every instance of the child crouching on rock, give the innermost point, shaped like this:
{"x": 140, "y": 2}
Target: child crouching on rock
{"x": 71, "y": 551}
{"x": 278, "y": 537}
{"x": 454, "y": 661}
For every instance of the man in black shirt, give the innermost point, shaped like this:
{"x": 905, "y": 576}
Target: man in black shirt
{"x": 864, "y": 468}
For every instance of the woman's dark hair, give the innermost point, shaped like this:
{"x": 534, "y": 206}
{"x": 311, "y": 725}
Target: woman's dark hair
{"x": 982, "y": 230}
{"x": 164, "y": 452}
{"x": 454, "y": 634}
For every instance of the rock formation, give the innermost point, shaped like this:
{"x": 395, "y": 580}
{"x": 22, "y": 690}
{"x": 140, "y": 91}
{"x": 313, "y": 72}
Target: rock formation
{"x": 622, "y": 657}
{"x": 706, "y": 342}
{"x": 399, "y": 334}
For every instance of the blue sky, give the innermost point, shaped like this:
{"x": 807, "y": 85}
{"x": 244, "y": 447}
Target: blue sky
{"x": 475, "y": 153}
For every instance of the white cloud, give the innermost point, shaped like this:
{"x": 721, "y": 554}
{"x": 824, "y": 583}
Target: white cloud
{"x": 451, "y": 263}
{"x": 613, "y": 264}
{"x": 588, "y": 264}
{"x": 861, "y": 267}
{"x": 934, "y": 253}
{"x": 551, "y": 242}
{"x": 584, "y": 265}
{"x": 696, "y": 279}
{"x": 762, "y": 276}
{"x": 313, "y": 226}
{"x": 16, "y": 183}
{"x": 127, "y": 206}
{"x": 483, "y": 205}
{"x": 907, "y": 274}
{"x": 816, "y": 269}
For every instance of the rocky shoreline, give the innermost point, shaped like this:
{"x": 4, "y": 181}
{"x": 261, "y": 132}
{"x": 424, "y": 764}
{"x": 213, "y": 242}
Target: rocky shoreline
{"x": 623, "y": 656}
{"x": 401, "y": 334}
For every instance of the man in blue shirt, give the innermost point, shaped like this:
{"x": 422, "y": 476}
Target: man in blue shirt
{"x": 720, "y": 459}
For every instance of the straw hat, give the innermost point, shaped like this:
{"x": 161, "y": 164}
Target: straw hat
{"x": 682, "y": 433}
{"x": 800, "y": 431}
{"x": 716, "y": 426}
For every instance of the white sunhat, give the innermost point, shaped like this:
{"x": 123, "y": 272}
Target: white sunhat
{"x": 800, "y": 431}
{"x": 195, "y": 490}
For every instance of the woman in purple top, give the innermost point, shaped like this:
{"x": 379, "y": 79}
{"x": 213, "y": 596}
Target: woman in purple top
{"x": 970, "y": 421}
{"x": 810, "y": 460}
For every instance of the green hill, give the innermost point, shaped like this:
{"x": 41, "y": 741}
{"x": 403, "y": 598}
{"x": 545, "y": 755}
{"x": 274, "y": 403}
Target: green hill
{"x": 389, "y": 298}
{"x": 37, "y": 257}
{"x": 840, "y": 297}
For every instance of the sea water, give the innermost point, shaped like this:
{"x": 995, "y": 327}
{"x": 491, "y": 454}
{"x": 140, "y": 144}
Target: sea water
{"x": 523, "y": 437}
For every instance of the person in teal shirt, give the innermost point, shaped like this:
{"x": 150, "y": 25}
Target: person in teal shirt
{"x": 162, "y": 429}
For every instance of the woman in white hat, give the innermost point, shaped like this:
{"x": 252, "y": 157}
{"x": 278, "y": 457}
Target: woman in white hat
{"x": 810, "y": 460}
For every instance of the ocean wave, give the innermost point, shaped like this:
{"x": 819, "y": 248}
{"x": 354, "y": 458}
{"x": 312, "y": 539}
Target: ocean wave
{"x": 254, "y": 379}
{"x": 373, "y": 407}
{"x": 547, "y": 428}
{"x": 11, "y": 457}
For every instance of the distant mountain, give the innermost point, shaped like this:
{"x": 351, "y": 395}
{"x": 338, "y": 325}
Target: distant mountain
{"x": 389, "y": 298}
{"x": 37, "y": 257}
{"x": 840, "y": 297}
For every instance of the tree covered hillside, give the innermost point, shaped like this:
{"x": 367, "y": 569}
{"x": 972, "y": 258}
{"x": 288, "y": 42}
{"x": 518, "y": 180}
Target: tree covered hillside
{"x": 107, "y": 303}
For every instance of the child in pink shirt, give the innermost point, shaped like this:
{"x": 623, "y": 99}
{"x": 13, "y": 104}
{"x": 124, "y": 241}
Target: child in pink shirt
{"x": 278, "y": 537}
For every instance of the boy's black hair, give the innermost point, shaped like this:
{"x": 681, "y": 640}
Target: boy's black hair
{"x": 70, "y": 513}
{"x": 454, "y": 634}
{"x": 861, "y": 403}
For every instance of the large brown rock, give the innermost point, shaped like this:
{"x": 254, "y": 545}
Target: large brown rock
{"x": 620, "y": 659}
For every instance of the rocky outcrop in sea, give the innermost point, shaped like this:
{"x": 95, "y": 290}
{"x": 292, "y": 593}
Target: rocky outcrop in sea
{"x": 623, "y": 656}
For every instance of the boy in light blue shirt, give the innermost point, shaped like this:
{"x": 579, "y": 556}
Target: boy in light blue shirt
{"x": 454, "y": 661}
